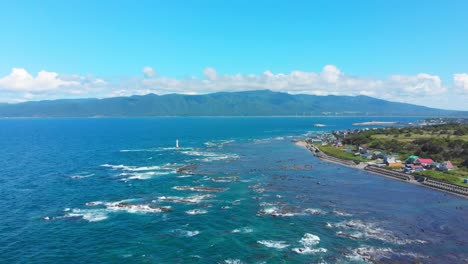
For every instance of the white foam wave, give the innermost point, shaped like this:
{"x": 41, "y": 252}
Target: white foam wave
{"x": 273, "y": 244}
{"x": 370, "y": 230}
{"x": 284, "y": 211}
{"x": 90, "y": 215}
{"x": 309, "y": 250}
{"x": 186, "y": 233}
{"x": 372, "y": 255}
{"x": 217, "y": 143}
{"x": 313, "y": 211}
{"x": 309, "y": 241}
{"x": 210, "y": 156}
{"x": 143, "y": 175}
{"x": 131, "y": 168}
{"x": 225, "y": 179}
{"x": 136, "y": 208}
{"x": 198, "y": 188}
{"x": 196, "y": 211}
{"x": 190, "y": 199}
{"x": 233, "y": 261}
{"x": 82, "y": 176}
{"x": 243, "y": 230}
{"x": 275, "y": 211}
{"x": 341, "y": 213}
{"x": 160, "y": 149}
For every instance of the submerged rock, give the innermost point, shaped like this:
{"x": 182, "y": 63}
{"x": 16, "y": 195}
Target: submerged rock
{"x": 187, "y": 169}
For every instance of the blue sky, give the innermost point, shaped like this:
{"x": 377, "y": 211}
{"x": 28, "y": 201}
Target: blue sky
{"x": 99, "y": 48}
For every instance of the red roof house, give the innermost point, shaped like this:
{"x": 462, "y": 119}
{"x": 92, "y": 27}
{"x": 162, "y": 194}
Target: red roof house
{"x": 424, "y": 162}
{"x": 449, "y": 165}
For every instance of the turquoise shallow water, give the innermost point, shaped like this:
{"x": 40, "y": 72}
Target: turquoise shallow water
{"x": 108, "y": 191}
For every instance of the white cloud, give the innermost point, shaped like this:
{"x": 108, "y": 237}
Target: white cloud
{"x": 329, "y": 81}
{"x": 421, "y": 85}
{"x": 21, "y": 80}
{"x": 331, "y": 73}
{"x": 461, "y": 81}
{"x": 210, "y": 73}
{"x": 423, "y": 88}
{"x": 149, "y": 72}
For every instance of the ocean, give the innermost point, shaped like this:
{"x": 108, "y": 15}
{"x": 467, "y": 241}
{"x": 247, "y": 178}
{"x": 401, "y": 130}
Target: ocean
{"x": 116, "y": 190}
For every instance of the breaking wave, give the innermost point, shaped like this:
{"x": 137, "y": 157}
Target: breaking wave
{"x": 198, "y": 188}
{"x": 90, "y": 215}
{"x": 209, "y": 156}
{"x": 217, "y": 143}
{"x": 190, "y": 199}
{"x": 309, "y": 241}
{"x": 243, "y": 230}
{"x": 160, "y": 149}
{"x": 196, "y": 211}
{"x": 371, "y": 255}
{"x": 273, "y": 244}
{"x": 357, "y": 229}
{"x": 82, "y": 175}
{"x": 185, "y": 233}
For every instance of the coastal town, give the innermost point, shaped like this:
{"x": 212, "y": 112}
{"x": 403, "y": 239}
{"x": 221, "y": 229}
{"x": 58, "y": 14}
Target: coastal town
{"x": 434, "y": 155}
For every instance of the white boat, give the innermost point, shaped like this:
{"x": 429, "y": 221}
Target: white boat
{"x": 177, "y": 143}
{"x": 319, "y": 125}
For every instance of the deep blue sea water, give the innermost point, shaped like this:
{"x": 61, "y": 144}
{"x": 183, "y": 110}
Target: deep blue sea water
{"x": 107, "y": 190}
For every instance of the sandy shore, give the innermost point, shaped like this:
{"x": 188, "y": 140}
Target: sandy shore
{"x": 301, "y": 143}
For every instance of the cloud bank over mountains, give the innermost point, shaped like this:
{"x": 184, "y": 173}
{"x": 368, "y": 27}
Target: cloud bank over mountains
{"x": 423, "y": 88}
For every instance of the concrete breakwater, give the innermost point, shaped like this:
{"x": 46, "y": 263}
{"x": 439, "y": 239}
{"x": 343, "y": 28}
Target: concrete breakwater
{"x": 318, "y": 153}
{"x": 411, "y": 178}
{"x": 390, "y": 173}
{"x": 446, "y": 186}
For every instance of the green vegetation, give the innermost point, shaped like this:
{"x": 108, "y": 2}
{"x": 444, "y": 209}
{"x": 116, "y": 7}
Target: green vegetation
{"x": 340, "y": 153}
{"x": 250, "y": 103}
{"x": 455, "y": 176}
{"x": 392, "y": 168}
{"x": 439, "y": 142}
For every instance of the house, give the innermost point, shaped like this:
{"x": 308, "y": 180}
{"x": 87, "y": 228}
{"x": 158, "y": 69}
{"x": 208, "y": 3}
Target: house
{"x": 449, "y": 165}
{"x": 379, "y": 155}
{"x": 411, "y": 159}
{"x": 362, "y": 150}
{"x": 414, "y": 167}
{"x": 445, "y": 166}
{"x": 367, "y": 155}
{"x": 389, "y": 159}
{"x": 423, "y": 162}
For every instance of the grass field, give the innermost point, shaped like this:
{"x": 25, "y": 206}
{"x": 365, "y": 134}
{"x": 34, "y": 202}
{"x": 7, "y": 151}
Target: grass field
{"x": 412, "y": 136}
{"x": 455, "y": 176}
{"x": 340, "y": 153}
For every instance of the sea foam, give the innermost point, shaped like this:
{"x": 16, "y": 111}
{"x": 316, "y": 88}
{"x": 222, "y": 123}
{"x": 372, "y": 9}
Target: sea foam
{"x": 309, "y": 241}
{"x": 273, "y": 244}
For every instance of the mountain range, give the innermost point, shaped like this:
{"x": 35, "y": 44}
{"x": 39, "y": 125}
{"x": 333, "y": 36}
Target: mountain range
{"x": 249, "y": 103}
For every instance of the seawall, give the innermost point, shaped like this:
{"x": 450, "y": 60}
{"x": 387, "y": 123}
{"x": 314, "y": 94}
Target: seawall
{"x": 410, "y": 178}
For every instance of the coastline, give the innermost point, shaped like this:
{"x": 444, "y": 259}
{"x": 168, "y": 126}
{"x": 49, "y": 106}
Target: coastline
{"x": 366, "y": 167}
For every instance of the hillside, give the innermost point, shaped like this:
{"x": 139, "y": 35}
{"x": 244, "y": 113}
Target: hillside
{"x": 251, "y": 103}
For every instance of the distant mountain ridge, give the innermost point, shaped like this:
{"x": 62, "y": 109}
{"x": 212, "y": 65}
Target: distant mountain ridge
{"x": 249, "y": 103}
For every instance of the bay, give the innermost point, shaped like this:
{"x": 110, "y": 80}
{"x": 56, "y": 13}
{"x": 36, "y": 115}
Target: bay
{"x": 111, "y": 190}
